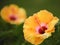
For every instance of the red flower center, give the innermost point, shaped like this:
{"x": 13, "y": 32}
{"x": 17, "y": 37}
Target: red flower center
{"x": 41, "y": 29}
{"x": 13, "y": 18}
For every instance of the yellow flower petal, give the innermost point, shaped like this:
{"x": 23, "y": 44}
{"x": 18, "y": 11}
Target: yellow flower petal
{"x": 44, "y": 16}
{"x": 52, "y": 24}
{"x": 13, "y": 14}
{"x": 43, "y": 21}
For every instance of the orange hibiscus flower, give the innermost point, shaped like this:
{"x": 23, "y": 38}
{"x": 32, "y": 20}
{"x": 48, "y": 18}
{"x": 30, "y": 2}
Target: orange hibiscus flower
{"x": 39, "y": 27}
{"x": 13, "y": 14}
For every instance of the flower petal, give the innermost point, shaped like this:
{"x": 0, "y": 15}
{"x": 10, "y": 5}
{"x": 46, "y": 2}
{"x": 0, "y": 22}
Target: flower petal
{"x": 52, "y": 24}
{"x": 44, "y": 16}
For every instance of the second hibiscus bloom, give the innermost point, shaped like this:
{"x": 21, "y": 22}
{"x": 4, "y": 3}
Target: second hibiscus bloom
{"x": 13, "y": 14}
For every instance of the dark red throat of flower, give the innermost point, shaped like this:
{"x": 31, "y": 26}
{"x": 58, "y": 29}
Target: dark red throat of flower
{"x": 13, "y": 18}
{"x": 42, "y": 29}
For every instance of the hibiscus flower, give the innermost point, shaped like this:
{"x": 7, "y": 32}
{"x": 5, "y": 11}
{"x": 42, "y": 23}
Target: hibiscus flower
{"x": 39, "y": 27}
{"x": 13, "y": 14}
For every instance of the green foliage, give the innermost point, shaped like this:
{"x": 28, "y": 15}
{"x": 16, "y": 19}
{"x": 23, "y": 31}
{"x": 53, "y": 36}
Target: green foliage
{"x": 13, "y": 35}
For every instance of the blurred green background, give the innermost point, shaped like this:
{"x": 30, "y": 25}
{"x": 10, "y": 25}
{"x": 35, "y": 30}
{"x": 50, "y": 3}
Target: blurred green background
{"x": 13, "y": 35}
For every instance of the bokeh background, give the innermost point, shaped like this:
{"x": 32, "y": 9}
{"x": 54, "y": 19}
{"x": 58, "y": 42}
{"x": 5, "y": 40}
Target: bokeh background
{"x": 13, "y": 35}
